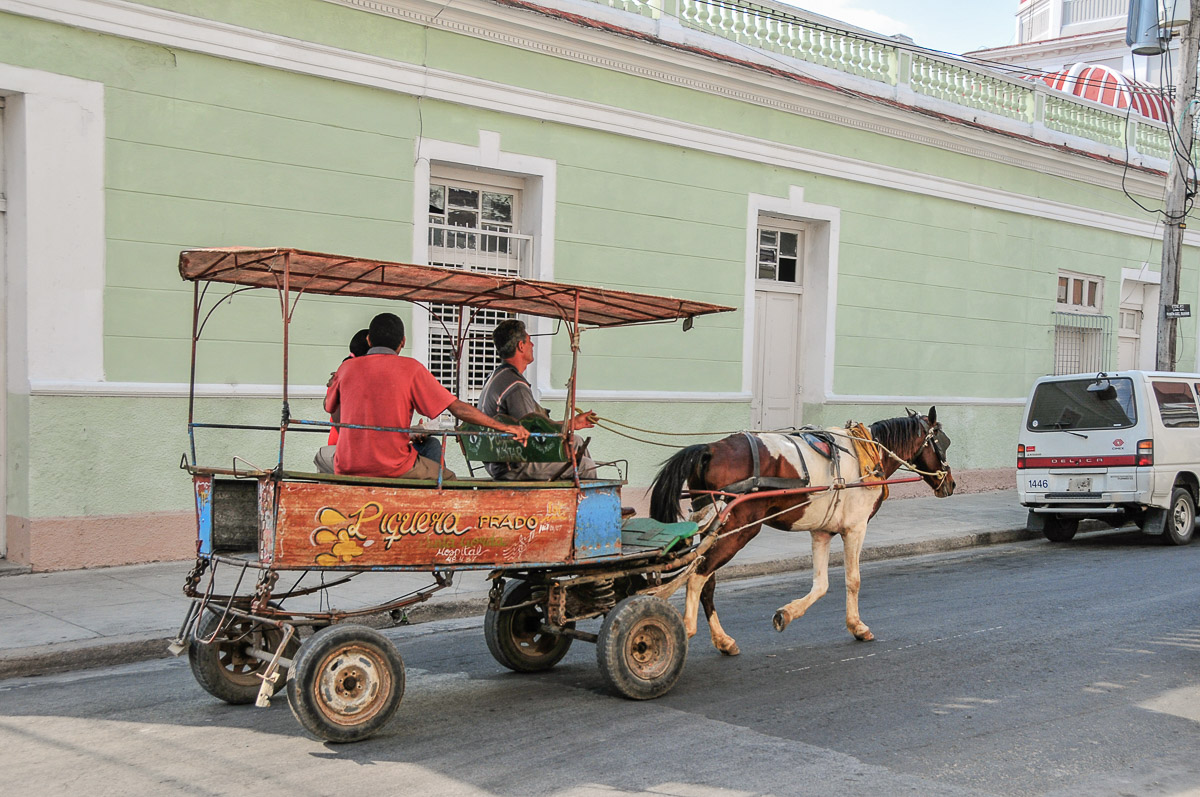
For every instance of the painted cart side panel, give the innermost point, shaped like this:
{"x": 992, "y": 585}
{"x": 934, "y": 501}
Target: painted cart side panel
{"x": 268, "y": 491}
{"x": 361, "y": 526}
{"x": 204, "y": 513}
{"x": 598, "y": 523}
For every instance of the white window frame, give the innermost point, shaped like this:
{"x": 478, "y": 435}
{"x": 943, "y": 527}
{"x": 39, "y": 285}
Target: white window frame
{"x": 481, "y": 182}
{"x": 782, "y": 224}
{"x": 539, "y": 194}
{"x": 1069, "y": 306}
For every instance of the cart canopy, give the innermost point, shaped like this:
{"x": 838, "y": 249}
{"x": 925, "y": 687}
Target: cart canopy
{"x": 313, "y": 272}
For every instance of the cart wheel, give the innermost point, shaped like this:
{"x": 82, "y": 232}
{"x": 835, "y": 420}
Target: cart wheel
{"x": 515, "y": 637}
{"x": 347, "y": 682}
{"x": 223, "y": 667}
{"x": 642, "y": 647}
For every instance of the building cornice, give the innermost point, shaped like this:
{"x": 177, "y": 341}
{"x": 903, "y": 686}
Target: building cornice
{"x": 808, "y": 91}
{"x": 489, "y": 20}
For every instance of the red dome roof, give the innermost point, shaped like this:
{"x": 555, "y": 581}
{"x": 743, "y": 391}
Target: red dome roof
{"x": 1108, "y": 86}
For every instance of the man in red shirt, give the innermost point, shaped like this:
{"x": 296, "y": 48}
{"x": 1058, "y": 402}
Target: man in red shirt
{"x": 381, "y": 388}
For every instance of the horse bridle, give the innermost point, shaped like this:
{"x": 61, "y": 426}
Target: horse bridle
{"x": 934, "y": 436}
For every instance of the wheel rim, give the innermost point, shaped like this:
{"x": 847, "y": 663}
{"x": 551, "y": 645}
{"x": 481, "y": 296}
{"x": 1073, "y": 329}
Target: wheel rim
{"x": 528, "y": 635}
{"x": 240, "y": 637}
{"x": 1182, "y": 517}
{"x": 650, "y": 650}
{"x": 352, "y": 685}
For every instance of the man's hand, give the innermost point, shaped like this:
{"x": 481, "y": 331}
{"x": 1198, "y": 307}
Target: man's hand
{"x": 584, "y": 420}
{"x": 520, "y": 433}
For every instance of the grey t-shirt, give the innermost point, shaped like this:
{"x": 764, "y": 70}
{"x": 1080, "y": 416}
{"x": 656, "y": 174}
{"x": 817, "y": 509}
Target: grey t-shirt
{"x": 507, "y": 392}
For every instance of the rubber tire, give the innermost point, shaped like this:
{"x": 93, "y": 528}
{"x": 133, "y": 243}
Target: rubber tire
{"x": 513, "y": 637}
{"x": 233, "y": 680}
{"x": 642, "y": 647}
{"x": 330, "y": 667}
{"x": 1059, "y": 529}
{"x": 1181, "y": 518}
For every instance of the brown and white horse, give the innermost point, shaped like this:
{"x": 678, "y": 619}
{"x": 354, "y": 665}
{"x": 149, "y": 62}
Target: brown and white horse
{"x": 778, "y": 460}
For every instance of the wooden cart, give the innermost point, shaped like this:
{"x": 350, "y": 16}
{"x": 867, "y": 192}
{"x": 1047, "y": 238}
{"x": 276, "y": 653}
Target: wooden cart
{"x": 558, "y": 552}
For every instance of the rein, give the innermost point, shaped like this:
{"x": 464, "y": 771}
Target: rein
{"x": 940, "y": 475}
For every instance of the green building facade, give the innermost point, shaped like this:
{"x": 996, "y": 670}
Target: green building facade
{"x": 895, "y": 230}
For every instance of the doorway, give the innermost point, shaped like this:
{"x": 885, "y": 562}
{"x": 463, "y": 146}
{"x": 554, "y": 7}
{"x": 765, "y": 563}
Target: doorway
{"x": 778, "y": 307}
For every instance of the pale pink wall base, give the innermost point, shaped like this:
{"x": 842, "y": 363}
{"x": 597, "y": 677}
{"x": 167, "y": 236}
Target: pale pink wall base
{"x": 79, "y": 542}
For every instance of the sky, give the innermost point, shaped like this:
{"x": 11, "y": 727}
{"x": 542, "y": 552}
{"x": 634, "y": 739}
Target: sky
{"x": 956, "y": 26}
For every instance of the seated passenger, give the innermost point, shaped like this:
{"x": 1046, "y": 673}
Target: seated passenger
{"x": 383, "y": 389}
{"x": 507, "y": 392}
{"x": 426, "y": 445}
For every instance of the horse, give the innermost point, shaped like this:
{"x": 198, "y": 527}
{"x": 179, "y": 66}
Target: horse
{"x": 748, "y": 462}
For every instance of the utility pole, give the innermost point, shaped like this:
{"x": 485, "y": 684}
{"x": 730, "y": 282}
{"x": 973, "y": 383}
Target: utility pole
{"x": 1177, "y": 187}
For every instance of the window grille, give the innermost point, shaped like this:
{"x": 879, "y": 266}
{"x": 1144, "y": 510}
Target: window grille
{"x": 1075, "y": 11}
{"x": 1082, "y": 343}
{"x": 1034, "y": 23}
{"x": 487, "y": 249}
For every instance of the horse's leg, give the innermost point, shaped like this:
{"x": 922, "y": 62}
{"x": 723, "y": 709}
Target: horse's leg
{"x": 702, "y": 583}
{"x": 721, "y": 641}
{"x": 852, "y": 541}
{"x": 820, "y": 583}
{"x": 691, "y": 603}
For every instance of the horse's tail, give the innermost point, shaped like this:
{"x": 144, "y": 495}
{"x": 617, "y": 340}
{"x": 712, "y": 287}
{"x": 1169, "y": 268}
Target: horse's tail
{"x": 688, "y": 463}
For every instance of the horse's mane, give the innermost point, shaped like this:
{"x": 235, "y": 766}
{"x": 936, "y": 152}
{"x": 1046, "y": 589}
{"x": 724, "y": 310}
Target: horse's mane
{"x": 898, "y": 434}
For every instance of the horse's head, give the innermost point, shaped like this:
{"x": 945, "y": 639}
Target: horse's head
{"x": 930, "y": 457}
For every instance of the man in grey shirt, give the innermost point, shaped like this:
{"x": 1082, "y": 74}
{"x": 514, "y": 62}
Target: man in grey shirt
{"x": 507, "y": 392}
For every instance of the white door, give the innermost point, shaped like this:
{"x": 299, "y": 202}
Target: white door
{"x": 1129, "y": 339}
{"x": 776, "y": 401}
{"x": 778, "y": 299}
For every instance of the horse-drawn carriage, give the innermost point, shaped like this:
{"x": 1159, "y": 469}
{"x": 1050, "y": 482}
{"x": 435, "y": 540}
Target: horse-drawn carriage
{"x": 558, "y": 553}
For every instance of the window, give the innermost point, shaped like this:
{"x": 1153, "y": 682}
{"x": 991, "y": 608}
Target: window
{"x": 471, "y": 226}
{"x": 1070, "y": 404}
{"x": 779, "y": 255}
{"x": 1080, "y": 293}
{"x": 1082, "y": 336}
{"x": 1176, "y": 404}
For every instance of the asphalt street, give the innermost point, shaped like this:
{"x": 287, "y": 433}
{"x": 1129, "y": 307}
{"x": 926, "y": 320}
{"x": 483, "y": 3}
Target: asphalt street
{"x": 1028, "y": 668}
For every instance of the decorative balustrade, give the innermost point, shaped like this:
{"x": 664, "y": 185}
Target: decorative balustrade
{"x": 959, "y": 84}
{"x": 773, "y": 29}
{"x": 1077, "y": 119}
{"x": 1152, "y": 141}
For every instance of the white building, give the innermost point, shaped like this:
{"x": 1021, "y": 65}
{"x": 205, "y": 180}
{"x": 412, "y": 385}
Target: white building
{"x": 1054, "y": 35}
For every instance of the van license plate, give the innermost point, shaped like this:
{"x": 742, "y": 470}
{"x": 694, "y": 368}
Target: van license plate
{"x": 1080, "y": 485}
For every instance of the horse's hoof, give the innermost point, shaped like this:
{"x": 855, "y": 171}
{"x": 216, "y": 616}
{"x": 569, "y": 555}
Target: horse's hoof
{"x": 780, "y": 621}
{"x": 730, "y": 650}
{"x": 865, "y": 635}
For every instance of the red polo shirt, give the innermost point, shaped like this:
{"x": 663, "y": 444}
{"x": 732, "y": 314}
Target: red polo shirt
{"x": 381, "y": 390}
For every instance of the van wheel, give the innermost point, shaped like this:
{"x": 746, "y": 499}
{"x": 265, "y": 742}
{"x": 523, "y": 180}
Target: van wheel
{"x": 1059, "y": 529}
{"x": 1181, "y": 518}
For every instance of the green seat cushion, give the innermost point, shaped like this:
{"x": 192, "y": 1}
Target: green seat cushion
{"x": 649, "y": 533}
{"x": 495, "y": 448}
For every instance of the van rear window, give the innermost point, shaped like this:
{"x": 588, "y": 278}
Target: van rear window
{"x": 1070, "y": 405}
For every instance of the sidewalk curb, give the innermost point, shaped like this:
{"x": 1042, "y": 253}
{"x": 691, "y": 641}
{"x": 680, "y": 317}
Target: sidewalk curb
{"x": 110, "y": 651}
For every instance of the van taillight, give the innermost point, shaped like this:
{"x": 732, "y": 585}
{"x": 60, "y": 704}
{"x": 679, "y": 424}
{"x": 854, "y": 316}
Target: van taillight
{"x": 1020, "y": 456}
{"x": 1145, "y": 453}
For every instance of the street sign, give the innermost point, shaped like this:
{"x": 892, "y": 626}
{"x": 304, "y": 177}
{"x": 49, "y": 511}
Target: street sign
{"x": 1178, "y": 311}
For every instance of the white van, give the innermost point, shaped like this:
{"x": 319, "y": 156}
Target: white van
{"x": 1118, "y": 447}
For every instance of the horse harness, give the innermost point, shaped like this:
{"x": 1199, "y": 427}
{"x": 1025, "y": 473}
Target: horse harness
{"x": 818, "y": 440}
